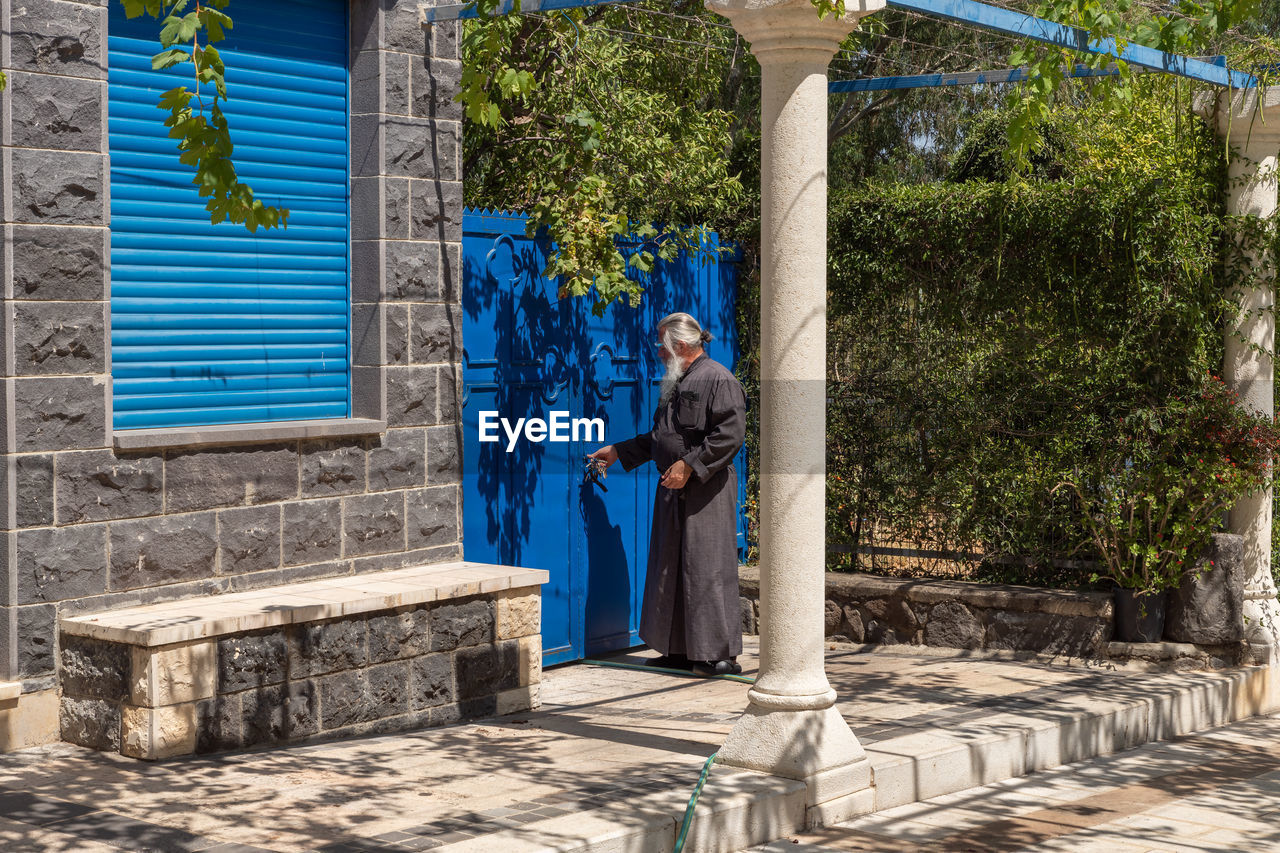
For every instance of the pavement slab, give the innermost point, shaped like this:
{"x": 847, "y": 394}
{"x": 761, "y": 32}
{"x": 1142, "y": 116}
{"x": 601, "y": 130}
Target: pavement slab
{"x": 609, "y": 760}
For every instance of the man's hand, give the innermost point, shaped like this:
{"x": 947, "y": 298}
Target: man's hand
{"x": 676, "y": 476}
{"x": 607, "y": 455}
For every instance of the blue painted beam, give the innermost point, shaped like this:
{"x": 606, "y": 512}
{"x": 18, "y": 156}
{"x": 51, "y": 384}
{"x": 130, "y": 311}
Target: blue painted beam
{"x": 964, "y": 11}
{"x": 1073, "y": 38}
{"x": 964, "y": 78}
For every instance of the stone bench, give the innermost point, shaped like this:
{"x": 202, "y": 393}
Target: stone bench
{"x": 341, "y": 656}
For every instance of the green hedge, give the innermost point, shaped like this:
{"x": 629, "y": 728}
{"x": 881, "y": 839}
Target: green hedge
{"x": 985, "y": 341}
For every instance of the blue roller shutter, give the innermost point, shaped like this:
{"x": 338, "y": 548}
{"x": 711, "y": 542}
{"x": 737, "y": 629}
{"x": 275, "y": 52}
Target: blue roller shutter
{"x": 213, "y": 324}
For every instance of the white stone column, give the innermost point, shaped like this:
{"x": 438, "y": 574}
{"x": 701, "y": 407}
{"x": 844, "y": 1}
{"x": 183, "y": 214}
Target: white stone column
{"x": 791, "y": 726}
{"x": 1250, "y": 373}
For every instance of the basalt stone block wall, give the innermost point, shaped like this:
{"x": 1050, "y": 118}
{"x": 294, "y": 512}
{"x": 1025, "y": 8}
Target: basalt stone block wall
{"x": 871, "y": 609}
{"x": 1204, "y": 628}
{"x": 370, "y": 673}
{"x": 88, "y": 526}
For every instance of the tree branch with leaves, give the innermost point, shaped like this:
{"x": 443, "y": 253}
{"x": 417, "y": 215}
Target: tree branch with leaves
{"x": 201, "y": 129}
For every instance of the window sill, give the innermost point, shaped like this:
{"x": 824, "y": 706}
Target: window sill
{"x": 209, "y": 436}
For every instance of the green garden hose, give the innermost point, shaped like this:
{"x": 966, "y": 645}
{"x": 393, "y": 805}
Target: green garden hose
{"x": 693, "y": 802}
{"x": 590, "y": 662}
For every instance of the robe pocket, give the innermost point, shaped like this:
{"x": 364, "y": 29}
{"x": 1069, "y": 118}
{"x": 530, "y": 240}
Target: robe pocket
{"x": 691, "y": 414}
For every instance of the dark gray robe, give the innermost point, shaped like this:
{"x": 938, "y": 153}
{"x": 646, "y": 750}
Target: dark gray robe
{"x": 691, "y": 584}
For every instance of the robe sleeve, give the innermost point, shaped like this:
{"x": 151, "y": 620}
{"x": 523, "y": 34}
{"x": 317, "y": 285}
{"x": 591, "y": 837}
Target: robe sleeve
{"x": 634, "y": 452}
{"x": 726, "y": 430}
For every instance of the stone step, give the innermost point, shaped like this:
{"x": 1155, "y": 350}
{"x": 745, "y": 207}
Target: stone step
{"x": 1142, "y": 708}
{"x": 739, "y": 809}
{"x": 734, "y": 810}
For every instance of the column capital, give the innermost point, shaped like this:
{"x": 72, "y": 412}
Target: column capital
{"x": 779, "y": 29}
{"x": 1255, "y": 112}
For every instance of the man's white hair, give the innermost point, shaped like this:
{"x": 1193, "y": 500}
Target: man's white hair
{"x": 683, "y": 328}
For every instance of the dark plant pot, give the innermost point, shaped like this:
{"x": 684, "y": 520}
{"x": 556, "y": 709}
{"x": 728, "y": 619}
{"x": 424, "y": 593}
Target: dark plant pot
{"x": 1207, "y": 608}
{"x": 1139, "y": 619}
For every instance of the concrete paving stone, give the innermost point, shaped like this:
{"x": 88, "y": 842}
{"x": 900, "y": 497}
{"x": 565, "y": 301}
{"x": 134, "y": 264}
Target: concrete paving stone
{"x": 1236, "y": 818}
{"x": 1243, "y": 790}
{"x": 1154, "y": 760}
{"x": 1153, "y": 829}
{"x": 1087, "y": 842}
{"x": 1263, "y": 785}
{"x": 1062, "y": 786}
{"x": 995, "y": 804}
{"x": 1232, "y": 839}
{"x": 129, "y": 833}
{"x": 1162, "y": 822}
{"x": 18, "y": 836}
{"x": 421, "y": 844}
{"x": 394, "y": 837}
{"x": 953, "y": 819}
{"x": 1246, "y": 737}
{"x": 352, "y": 846}
{"x": 912, "y": 832}
{"x": 1270, "y": 776}
{"x": 38, "y": 810}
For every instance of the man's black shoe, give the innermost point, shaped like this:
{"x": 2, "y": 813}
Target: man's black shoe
{"x": 712, "y": 668}
{"x": 670, "y": 662}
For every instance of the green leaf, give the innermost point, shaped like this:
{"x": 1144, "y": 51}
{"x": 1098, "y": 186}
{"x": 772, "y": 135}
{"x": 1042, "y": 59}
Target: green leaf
{"x": 170, "y": 58}
{"x": 179, "y": 29}
{"x": 215, "y": 24}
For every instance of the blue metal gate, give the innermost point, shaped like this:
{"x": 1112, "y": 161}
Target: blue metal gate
{"x": 527, "y": 354}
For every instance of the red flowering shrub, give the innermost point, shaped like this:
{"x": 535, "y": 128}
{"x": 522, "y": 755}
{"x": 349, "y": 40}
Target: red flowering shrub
{"x": 1152, "y": 502}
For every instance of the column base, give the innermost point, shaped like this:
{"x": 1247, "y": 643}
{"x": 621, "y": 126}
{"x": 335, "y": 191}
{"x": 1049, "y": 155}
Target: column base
{"x": 1260, "y": 654}
{"x": 1262, "y": 621}
{"x": 814, "y": 746}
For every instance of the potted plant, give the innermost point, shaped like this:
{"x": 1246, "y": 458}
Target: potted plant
{"x": 1151, "y": 505}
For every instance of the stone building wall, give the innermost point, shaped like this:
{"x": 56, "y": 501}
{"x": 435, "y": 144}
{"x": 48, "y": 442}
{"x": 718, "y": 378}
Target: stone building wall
{"x": 93, "y": 520}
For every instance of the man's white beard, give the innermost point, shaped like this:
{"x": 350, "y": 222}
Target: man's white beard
{"x": 675, "y": 370}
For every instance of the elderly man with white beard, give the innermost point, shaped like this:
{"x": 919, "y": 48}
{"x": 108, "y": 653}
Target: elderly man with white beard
{"x": 690, "y": 613}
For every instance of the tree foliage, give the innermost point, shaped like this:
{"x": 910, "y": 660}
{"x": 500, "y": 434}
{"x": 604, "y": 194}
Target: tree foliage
{"x": 602, "y": 123}
{"x": 622, "y": 117}
{"x": 988, "y": 339}
{"x": 1188, "y": 27}
{"x": 902, "y": 134}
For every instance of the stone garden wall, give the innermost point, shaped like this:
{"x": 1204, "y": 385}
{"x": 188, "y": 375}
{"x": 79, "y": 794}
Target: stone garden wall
{"x": 870, "y": 609}
{"x": 1204, "y": 629}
